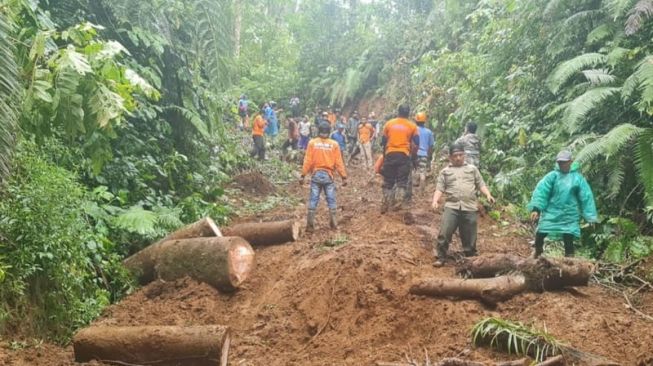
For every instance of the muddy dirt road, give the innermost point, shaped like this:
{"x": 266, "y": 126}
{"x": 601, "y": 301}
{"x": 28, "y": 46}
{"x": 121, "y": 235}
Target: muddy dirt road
{"x": 341, "y": 298}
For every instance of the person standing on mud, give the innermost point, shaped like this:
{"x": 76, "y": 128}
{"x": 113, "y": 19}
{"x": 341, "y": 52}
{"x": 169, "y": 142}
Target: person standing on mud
{"x": 365, "y": 134}
{"x": 558, "y": 202}
{"x": 323, "y": 158}
{"x": 398, "y": 135}
{"x": 258, "y": 131}
{"x": 425, "y": 150}
{"x": 460, "y": 182}
{"x": 472, "y": 144}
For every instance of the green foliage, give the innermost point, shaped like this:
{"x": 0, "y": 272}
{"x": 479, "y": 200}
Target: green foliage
{"x": 617, "y": 240}
{"x": 59, "y": 272}
{"x": 515, "y": 337}
{"x": 10, "y": 88}
{"x": 569, "y": 68}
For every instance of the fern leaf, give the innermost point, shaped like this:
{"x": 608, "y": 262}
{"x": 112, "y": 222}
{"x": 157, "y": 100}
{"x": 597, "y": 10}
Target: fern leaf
{"x": 611, "y": 143}
{"x": 137, "y": 220}
{"x": 637, "y": 15}
{"x": 641, "y": 79}
{"x": 599, "y": 76}
{"x": 618, "y": 8}
{"x": 616, "y": 175}
{"x": 585, "y": 103}
{"x": 616, "y": 55}
{"x": 644, "y": 162}
{"x": 567, "y": 69}
{"x": 599, "y": 34}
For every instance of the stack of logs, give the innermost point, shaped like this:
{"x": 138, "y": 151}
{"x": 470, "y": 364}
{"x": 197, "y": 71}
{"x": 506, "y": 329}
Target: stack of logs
{"x": 199, "y": 251}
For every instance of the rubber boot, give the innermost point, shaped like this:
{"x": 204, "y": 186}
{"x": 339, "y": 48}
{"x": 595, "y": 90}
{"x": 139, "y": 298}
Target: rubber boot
{"x": 310, "y": 221}
{"x": 386, "y": 201}
{"x": 399, "y": 199}
{"x": 333, "y": 220}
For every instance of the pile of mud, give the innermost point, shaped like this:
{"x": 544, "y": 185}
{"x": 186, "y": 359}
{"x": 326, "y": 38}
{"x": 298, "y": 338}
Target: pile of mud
{"x": 254, "y": 183}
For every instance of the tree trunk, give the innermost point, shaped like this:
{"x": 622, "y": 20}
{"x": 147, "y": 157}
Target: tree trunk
{"x": 542, "y": 274}
{"x": 154, "y": 345}
{"x": 489, "y": 290}
{"x": 266, "y": 233}
{"x": 222, "y": 262}
{"x": 142, "y": 262}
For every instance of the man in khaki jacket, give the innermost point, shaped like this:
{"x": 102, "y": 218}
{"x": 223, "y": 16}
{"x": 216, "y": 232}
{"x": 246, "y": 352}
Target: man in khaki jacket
{"x": 459, "y": 182}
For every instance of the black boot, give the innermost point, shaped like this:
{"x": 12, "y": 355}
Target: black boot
{"x": 386, "y": 201}
{"x": 333, "y": 221}
{"x": 310, "y": 221}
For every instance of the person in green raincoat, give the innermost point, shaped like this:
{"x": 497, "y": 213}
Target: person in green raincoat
{"x": 558, "y": 202}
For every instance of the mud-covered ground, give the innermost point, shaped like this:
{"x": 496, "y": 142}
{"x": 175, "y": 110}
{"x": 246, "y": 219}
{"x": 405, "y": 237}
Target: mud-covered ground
{"x": 341, "y": 298}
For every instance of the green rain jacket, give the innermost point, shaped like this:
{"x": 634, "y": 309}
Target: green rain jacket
{"x": 561, "y": 199}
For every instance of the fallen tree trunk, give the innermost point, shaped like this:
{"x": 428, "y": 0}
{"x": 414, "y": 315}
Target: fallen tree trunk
{"x": 142, "y": 262}
{"x": 222, "y": 262}
{"x": 266, "y": 233}
{"x": 489, "y": 290}
{"x": 542, "y": 274}
{"x": 525, "y": 274}
{"x": 154, "y": 345}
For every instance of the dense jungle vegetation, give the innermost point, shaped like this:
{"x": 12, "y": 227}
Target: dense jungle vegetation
{"x": 117, "y": 120}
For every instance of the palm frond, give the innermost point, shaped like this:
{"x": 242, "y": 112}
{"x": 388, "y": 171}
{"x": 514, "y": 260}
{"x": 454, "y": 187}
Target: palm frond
{"x": 516, "y": 337}
{"x": 644, "y": 162}
{"x": 637, "y": 15}
{"x": 10, "y": 87}
{"x": 585, "y": 103}
{"x": 567, "y": 69}
{"x": 611, "y": 143}
{"x": 599, "y": 76}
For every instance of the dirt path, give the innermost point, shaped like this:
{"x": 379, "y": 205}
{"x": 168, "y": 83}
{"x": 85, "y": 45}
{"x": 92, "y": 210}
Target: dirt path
{"x": 341, "y": 298}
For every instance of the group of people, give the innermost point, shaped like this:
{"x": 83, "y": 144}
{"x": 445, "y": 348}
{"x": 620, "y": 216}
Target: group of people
{"x": 406, "y": 145}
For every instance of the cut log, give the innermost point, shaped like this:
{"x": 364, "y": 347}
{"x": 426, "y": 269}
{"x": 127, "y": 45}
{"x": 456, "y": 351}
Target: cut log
{"x": 489, "y": 290}
{"x": 154, "y": 345}
{"x": 553, "y": 361}
{"x": 142, "y": 262}
{"x": 266, "y": 233}
{"x": 222, "y": 262}
{"x": 458, "y": 362}
{"x": 520, "y": 362}
{"x": 542, "y": 274}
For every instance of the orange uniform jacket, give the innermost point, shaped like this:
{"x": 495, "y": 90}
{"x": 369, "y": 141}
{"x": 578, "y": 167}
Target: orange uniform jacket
{"x": 399, "y": 133}
{"x": 331, "y": 117}
{"x": 365, "y": 133}
{"x": 323, "y": 154}
{"x": 259, "y": 126}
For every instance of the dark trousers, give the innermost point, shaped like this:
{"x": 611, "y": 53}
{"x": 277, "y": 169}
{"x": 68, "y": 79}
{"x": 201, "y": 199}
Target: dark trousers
{"x": 290, "y": 143}
{"x": 395, "y": 171}
{"x": 465, "y": 222}
{"x": 259, "y": 147}
{"x": 568, "y": 239}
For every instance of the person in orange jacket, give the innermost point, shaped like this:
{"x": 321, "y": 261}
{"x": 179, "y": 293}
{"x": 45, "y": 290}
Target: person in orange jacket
{"x": 322, "y": 160}
{"x": 365, "y": 134}
{"x": 399, "y": 136}
{"x": 258, "y": 131}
